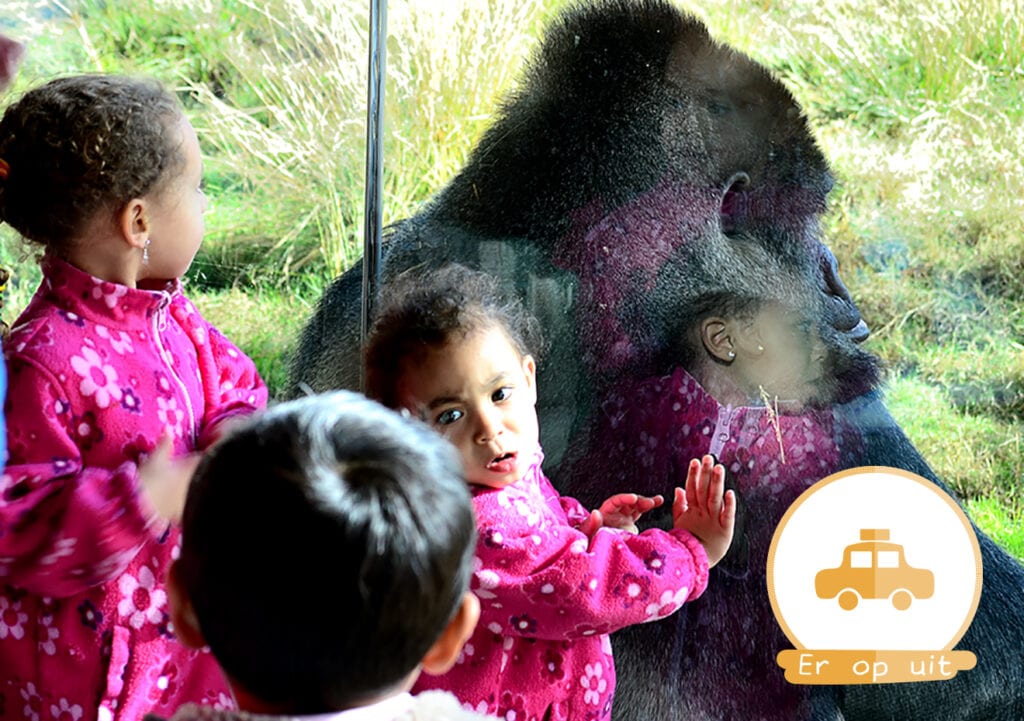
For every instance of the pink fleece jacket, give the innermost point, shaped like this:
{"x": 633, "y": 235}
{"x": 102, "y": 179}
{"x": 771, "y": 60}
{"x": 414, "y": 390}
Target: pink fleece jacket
{"x": 549, "y": 598}
{"x": 98, "y": 372}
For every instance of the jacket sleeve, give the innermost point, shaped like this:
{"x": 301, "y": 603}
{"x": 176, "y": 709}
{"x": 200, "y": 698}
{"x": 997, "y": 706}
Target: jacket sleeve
{"x": 575, "y": 512}
{"x": 231, "y": 384}
{"x": 63, "y": 527}
{"x": 550, "y": 581}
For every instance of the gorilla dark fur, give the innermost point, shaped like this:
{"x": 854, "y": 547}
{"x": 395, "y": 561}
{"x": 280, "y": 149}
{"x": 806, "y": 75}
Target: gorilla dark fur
{"x": 639, "y": 168}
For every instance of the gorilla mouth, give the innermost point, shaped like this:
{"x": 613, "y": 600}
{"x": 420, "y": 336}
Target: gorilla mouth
{"x": 842, "y": 311}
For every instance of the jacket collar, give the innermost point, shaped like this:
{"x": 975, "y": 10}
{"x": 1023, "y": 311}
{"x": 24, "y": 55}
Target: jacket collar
{"x": 79, "y": 293}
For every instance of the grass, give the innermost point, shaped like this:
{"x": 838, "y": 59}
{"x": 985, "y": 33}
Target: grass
{"x": 917, "y": 106}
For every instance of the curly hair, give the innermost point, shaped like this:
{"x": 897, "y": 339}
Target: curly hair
{"x": 82, "y": 144}
{"x": 423, "y": 310}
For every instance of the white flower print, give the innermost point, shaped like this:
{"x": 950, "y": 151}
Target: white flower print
{"x": 115, "y": 563}
{"x": 169, "y": 413}
{"x": 122, "y": 343}
{"x": 33, "y": 702}
{"x": 109, "y": 292}
{"x": 667, "y": 603}
{"x": 594, "y": 682}
{"x": 63, "y": 547}
{"x": 63, "y": 710}
{"x": 141, "y": 601}
{"x": 12, "y": 619}
{"x": 47, "y": 645}
{"x": 46, "y": 633}
{"x": 465, "y": 654}
{"x": 98, "y": 379}
{"x": 488, "y": 581}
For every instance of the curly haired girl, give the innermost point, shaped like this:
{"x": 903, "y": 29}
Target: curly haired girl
{"x": 116, "y": 382}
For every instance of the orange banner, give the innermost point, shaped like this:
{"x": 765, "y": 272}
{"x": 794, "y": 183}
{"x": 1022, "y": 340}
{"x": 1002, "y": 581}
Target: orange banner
{"x": 804, "y": 666}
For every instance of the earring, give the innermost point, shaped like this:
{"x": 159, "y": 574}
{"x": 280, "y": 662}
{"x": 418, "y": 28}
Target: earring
{"x": 731, "y": 354}
{"x": 145, "y": 252}
{"x": 760, "y": 348}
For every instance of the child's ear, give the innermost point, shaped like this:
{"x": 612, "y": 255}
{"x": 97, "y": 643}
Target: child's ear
{"x": 183, "y": 616}
{"x": 530, "y": 371}
{"x": 443, "y": 654}
{"x": 716, "y": 335}
{"x": 133, "y": 223}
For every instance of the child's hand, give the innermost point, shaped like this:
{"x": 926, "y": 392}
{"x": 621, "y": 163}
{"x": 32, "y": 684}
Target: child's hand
{"x": 705, "y": 509}
{"x": 165, "y": 480}
{"x": 623, "y": 510}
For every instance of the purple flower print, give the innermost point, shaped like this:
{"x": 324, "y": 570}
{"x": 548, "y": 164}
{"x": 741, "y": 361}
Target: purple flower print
{"x": 72, "y": 318}
{"x": 632, "y": 589}
{"x": 130, "y": 401}
{"x": 524, "y": 625}
{"x": 655, "y": 562}
{"x": 90, "y": 615}
{"x": 85, "y": 430}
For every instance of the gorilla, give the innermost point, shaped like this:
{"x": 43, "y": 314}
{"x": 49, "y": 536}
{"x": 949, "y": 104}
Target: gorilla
{"x": 640, "y": 174}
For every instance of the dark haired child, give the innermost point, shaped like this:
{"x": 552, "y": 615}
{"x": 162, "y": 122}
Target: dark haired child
{"x": 553, "y": 579}
{"x": 748, "y": 388}
{"x": 359, "y": 578}
{"x": 115, "y": 383}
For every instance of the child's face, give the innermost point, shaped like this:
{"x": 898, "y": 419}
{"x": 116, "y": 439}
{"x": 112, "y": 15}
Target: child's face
{"x": 177, "y": 213}
{"x": 481, "y": 394}
{"x": 792, "y": 361}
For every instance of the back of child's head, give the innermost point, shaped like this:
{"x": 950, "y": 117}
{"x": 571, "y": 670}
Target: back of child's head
{"x": 423, "y": 310}
{"x": 78, "y": 145}
{"x": 326, "y": 545}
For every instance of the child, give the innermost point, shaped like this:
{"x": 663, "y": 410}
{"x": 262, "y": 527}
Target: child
{"x": 359, "y": 578}
{"x": 553, "y": 579}
{"x": 748, "y": 388}
{"x": 115, "y": 382}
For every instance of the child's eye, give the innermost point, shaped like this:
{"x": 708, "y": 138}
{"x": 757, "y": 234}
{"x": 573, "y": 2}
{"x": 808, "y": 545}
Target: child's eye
{"x": 502, "y": 394}
{"x": 448, "y": 417}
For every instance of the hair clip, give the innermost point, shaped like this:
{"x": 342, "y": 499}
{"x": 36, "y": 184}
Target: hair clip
{"x": 5, "y": 169}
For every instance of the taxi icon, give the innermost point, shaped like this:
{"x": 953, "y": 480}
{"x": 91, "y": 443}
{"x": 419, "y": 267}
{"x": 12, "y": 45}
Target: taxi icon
{"x": 873, "y": 569}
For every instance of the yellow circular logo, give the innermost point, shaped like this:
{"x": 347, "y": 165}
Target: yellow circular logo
{"x": 874, "y": 574}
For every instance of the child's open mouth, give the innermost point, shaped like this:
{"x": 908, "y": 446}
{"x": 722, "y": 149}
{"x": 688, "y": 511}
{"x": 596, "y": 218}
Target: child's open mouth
{"x": 505, "y": 463}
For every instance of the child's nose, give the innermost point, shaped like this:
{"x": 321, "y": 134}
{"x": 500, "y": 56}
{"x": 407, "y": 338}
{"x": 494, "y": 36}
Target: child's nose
{"x": 489, "y": 425}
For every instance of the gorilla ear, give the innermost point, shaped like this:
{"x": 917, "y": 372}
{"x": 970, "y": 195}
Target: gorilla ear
{"x": 716, "y": 336}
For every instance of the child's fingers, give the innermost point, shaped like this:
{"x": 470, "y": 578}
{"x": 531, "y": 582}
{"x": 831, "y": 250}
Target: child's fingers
{"x": 646, "y": 503}
{"x": 716, "y": 487}
{"x": 692, "y": 481}
{"x": 618, "y": 502}
{"x": 704, "y": 482}
{"x": 678, "y": 504}
{"x": 591, "y": 523}
{"x": 728, "y": 515}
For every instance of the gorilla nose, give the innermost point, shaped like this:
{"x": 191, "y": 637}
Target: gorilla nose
{"x": 845, "y": 317}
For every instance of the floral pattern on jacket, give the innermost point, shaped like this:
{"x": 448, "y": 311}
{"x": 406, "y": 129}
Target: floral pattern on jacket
{"x": 97, "y": 372}
{"x": 549, "y": 598}
{"x": 427, "y": 706}
{"x": 648, "y": 429}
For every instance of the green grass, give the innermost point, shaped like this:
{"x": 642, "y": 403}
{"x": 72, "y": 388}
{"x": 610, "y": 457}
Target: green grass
{"x": 917, "y": 106}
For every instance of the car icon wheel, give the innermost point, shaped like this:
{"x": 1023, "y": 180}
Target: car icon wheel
{"x": 901, "y": 599}
{"x": 848, "y": 599}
